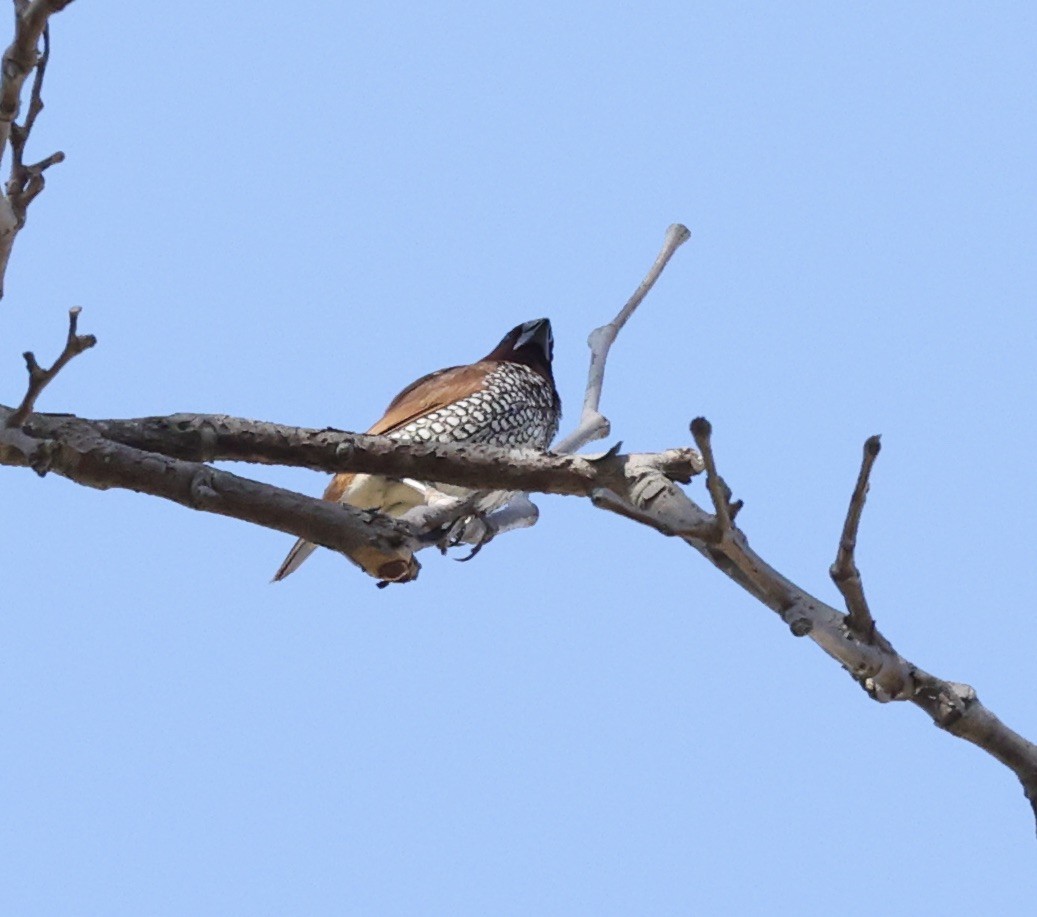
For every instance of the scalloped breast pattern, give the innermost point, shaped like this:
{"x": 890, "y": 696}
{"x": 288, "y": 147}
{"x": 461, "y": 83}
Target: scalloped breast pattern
{"x": 514, "y": 407}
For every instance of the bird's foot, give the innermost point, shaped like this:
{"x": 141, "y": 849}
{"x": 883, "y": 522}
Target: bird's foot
{"x": 473, "y": 530}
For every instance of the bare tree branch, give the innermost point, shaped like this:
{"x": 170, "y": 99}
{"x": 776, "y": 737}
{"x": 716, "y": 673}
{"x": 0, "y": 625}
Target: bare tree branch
{"x": 217, "y": 437}
{"x": 874, "y": 663}
{"x": 719, "y": 492}
{"x": 638, "y": 487}
{"x": 593, "y": 424}
{"x": 165, "y": 457}
{"x": 161, "y": 456}
{"x": 645, "y": 493}
{"x": 81, "y": 454}
{"x": 844, "y": 571}
{"x": 177, "y": 444}
{"x": 40, "y": 378}
{"x": 25, "y": 182}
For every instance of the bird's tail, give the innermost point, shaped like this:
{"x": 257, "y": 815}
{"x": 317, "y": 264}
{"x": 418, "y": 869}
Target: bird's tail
{"x": 299, "y": 552}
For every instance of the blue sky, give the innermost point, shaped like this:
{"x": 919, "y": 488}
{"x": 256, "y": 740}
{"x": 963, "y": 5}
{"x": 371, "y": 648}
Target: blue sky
{"x": 289, "y": 211}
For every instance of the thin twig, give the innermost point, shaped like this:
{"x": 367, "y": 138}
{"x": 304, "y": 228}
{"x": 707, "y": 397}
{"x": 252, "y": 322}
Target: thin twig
{"x": 39, "y": 378}
{"x": 844, "y": 571}
{"x": 431, "y": 518}
{"x": 519, "y": 513}
{"x": 35, "y": 96}
{"x": 30, "y": 20}
{"x": 27, "y": 181}
{"x": 719, "y": 492}
{"x": 729, "y": 542}
{"x": 20, "y": 132}
{"x": 592, "y": 424}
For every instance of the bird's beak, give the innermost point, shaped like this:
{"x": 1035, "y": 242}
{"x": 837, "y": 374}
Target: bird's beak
{"x": 538, "y": 332}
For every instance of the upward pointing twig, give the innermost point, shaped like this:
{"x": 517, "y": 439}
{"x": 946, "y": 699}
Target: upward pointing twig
{"x": 594, "y": 425}
{"x": 719, "y": 492}
{"x": 39, "y": 378}
{"x": 844, "y": 571}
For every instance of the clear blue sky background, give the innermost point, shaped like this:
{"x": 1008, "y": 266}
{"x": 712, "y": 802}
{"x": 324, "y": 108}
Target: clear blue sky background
{"x": 287, "y": 211}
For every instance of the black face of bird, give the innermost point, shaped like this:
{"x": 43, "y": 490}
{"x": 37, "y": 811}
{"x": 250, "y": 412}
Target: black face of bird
{"x": 538, "y": 333}
{"x": 531, "y": 343}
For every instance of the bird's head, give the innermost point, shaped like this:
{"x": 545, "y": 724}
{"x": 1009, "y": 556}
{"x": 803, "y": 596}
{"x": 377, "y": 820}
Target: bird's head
{"x": 530, "y": 343}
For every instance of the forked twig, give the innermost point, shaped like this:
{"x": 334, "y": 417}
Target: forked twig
{"x": 27, "y": 181}
{"x": 22, "y": 56}
{"x": 39, "y": 378}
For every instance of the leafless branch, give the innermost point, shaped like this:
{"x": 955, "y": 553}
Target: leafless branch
{"x": 639, "y": 487}
{"x": 875, "y": 664}
{"x": 593, "y": 424}
{"x": 216, "y": 437}
{"x": 25, "y": 182}
{"x": 30, "y": 22}
{"x": 844, "y": 571}
{"x": 35, "y": 95}
{"x": 80, "y": 453}
{"x": 163, "y": 457}
{"x": 40, "y": 378}
{"x": 719, "y": 492}
{"x": 166, "y": 456}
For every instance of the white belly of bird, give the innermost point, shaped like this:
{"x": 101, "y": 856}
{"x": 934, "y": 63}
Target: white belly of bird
{"x": 394, "y": 497}
{"x": 387, "y": 495}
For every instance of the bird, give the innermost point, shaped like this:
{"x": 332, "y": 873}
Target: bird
{"x": 508, "y": 398}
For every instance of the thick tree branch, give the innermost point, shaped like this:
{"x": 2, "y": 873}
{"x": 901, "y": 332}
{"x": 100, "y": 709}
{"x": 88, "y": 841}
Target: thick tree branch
{"x": 874, "y": 663}
{"x": 639, "y": 487}
{"x": 178, "y": 444}
{"x": 81, "y": 454}
{"x": 165, "y": 457}
{"x": 113, "y": 453}
{"x": 217, "y": 437}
